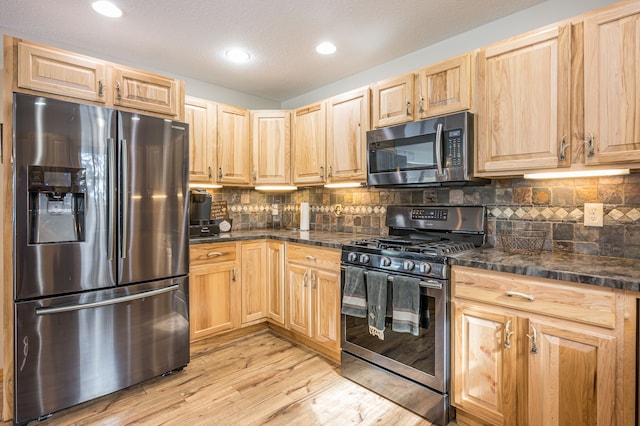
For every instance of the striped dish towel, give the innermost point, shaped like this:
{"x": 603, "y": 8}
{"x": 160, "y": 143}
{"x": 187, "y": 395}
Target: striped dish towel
{"x": 406, "y": 305}
{"x": 354, "y": 297}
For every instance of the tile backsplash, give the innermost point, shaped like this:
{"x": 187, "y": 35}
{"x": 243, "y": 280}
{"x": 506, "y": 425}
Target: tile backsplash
{"x": 554, "y": 206}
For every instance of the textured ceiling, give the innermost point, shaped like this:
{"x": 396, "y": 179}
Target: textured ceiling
{"x": 189, "y": 37}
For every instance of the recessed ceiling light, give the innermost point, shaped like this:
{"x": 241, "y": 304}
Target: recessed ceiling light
{"x": 238, "y": 55}
{"x": 326, "y": 48}
{"x": 106, "y": 8}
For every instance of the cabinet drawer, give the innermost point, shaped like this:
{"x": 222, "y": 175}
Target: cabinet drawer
{"x": 575, "y": 302}
{"x": 318, "y": 257}
{"x": 202, "y": 254}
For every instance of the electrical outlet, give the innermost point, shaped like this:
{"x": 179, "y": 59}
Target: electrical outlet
{"x": 593, "y": 214}
{"x": 274, "y": 210}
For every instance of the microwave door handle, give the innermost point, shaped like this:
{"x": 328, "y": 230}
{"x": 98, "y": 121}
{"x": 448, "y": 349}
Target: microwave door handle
{"x": 439, "y": 148}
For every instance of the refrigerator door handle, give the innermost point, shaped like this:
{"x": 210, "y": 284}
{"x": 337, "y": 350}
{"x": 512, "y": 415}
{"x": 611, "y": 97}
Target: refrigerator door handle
{"x": 124, "y": 174}
{"x": 112, "y": 198}
{"x": 123, "y": 299}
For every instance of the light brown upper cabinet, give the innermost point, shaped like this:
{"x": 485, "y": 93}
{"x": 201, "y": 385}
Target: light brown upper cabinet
{"x": 234, "y": 146}
{"x": 145, "y": 91}
{"x": 309, "y": 145}
{"x": 524, "y": 103}
{"x": 69, "y": 75}
{"x": 393, "y": 101}
{"x": 612, "y": 85}
{"x": 201, "y": 116}
{"x": 445, "y": 87}
{"x": 63, "y": 73}
{"x": 271, "y": 141}
{"x": 347, "y": 125}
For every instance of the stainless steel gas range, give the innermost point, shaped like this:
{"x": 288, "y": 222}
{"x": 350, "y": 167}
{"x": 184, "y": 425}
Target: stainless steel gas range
{"x": 411, "y": 369}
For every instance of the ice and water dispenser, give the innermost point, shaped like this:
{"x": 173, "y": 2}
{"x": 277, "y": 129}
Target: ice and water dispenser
{"x": 57, "y": 199}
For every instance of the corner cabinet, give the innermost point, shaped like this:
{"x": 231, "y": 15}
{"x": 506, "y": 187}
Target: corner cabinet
{"x": 309, "y": 145}
{"x": 234, "y": 146}
{"x": 347, "y": 125}
{"x": 535, "y": 351}
{"x": 445, "y": 87}
{"x": 313, "y": 295}
{"x": 214, "y": 289}
{"x": 524, "y": 103}
{"x": 271, "y": 144}
{"x": 201, "y": 116}
{"x": 393, "y": 101}
{"x": 612, "y": 85}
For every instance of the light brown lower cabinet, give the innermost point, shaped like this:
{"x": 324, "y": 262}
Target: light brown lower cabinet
{"x": 530, "y": 351}
{"x": 313, "y": 294}
{"x": 275, "y": 282}
{"x": 253, "y": 281}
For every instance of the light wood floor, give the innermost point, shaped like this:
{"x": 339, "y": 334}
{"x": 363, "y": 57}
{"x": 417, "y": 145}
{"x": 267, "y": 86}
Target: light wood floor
{"x": 254, "y": 380}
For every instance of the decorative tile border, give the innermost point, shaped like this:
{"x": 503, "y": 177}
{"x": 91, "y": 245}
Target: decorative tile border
{"x": 551, "y": 213}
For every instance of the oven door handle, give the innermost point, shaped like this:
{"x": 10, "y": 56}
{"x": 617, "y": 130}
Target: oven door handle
{"x": 423, "y": 283}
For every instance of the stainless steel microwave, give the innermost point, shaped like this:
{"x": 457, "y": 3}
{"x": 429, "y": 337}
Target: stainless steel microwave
{"x": 432, "y": 152}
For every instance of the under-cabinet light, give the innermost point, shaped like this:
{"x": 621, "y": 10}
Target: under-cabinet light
{"x": 205, "y": 185}
{"x": 275, "y": 188}
{"x": 577, "y": 174}
{"x": 344, "y": 185}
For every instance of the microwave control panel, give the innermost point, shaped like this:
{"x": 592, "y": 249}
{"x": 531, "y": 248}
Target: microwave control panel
{"x": 454, "y": 148}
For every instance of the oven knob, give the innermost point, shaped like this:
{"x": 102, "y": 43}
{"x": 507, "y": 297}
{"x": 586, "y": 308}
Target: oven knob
{"x": 385, "y": 261}
{"x": 364, "y": 258}
{"x": 425, "y": 268}
{"x": 351, "y": 257}
{"x": 408, "y": 265}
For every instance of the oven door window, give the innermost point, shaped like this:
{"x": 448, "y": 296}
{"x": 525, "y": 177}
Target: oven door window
{"x": 415, "y": 153}
{"x": 418, "y": 352}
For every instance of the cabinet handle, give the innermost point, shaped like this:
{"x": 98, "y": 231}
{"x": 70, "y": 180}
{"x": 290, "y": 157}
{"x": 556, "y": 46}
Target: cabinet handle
{"x": 563, "y": 147}
{"x": 100, "y": 88}
{"x": 304, "y": 280}
{"x": 534, "y": 340}
{"x": 589, "y": 143}
{"x": 255, "y": 175}
{"x": 313, "y": 282}
{"x": 507, "y": 335}
{"x": 321, "y": 172}
{"x": 210, "y": 172}
{"x": 118, "y": 94}
{"x": 529, "y": 297}
{"x": 309, "y": 257}
{"x": 408, "y": 106}
{"x": 214, "y": 254}
{"x": 330, "y": 175}
{"x": 219, "y": 173}
{"x": 233, "y": 275}
{"x": 421, "y": 109}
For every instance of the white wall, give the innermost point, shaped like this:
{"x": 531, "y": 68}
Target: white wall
{"x": 537, "y": 16}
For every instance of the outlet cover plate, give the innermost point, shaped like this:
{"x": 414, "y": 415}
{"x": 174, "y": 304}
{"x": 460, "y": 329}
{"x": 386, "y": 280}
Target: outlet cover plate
{"x": 593, "y": 214}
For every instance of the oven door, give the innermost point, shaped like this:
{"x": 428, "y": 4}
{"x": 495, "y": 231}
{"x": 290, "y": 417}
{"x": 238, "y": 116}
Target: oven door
{"x": 422, "y": 358}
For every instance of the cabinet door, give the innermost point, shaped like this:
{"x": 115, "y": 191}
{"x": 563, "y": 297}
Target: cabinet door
{"x": 62, "y": 73}
{"x": 234, "y": 146}
{"x": 523, "y": 108}
{"x": 253, "y": 276}
{"x": 309, "y": 145}
{"x": 275, "y": 282}
{"x": 213, "y": 299}
{"x": 146, "y": 92}
{"x": 571, "y": 376}
{"x": 347, "y": 126}
{"x": 445, "y": 87}
{"x": 298, "y": 316}
{"x": 271, "y": 141}
{"x": 612, "y": 84}
{"x": 393, "y": 101}
{"x": 201, "y": 116}
{"x": 484, "y": 363}
{"x": 325, "y": 288}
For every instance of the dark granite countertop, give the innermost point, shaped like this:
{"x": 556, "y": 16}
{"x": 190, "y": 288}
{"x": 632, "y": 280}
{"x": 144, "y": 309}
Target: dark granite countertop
{"x": 315, "y": 238}
{"x": 611, "y": 272}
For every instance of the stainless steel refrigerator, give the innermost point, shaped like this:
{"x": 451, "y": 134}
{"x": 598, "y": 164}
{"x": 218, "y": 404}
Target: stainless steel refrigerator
{"x": 100, "y": 251}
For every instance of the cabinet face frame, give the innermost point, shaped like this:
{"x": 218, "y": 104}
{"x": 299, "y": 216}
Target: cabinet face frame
{"x": 276, "y": 282}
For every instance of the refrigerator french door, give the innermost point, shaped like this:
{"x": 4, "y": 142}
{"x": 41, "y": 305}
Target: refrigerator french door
{"x": 101, "y": 251}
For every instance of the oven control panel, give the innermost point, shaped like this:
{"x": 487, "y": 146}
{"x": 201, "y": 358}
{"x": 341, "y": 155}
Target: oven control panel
{"x": 408, "y": 263}
{"x": 423, "y": 213}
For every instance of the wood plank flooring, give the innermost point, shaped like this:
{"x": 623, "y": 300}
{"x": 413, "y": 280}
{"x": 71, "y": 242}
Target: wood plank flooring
{"x": 254, "y": 380}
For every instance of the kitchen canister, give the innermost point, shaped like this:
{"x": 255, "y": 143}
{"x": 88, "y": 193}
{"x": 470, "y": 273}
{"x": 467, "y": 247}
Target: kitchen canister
{"x": 304, "y": 216}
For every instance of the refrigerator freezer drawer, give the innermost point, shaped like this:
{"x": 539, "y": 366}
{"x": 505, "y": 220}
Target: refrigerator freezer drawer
{"x": 71, "y": 349}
